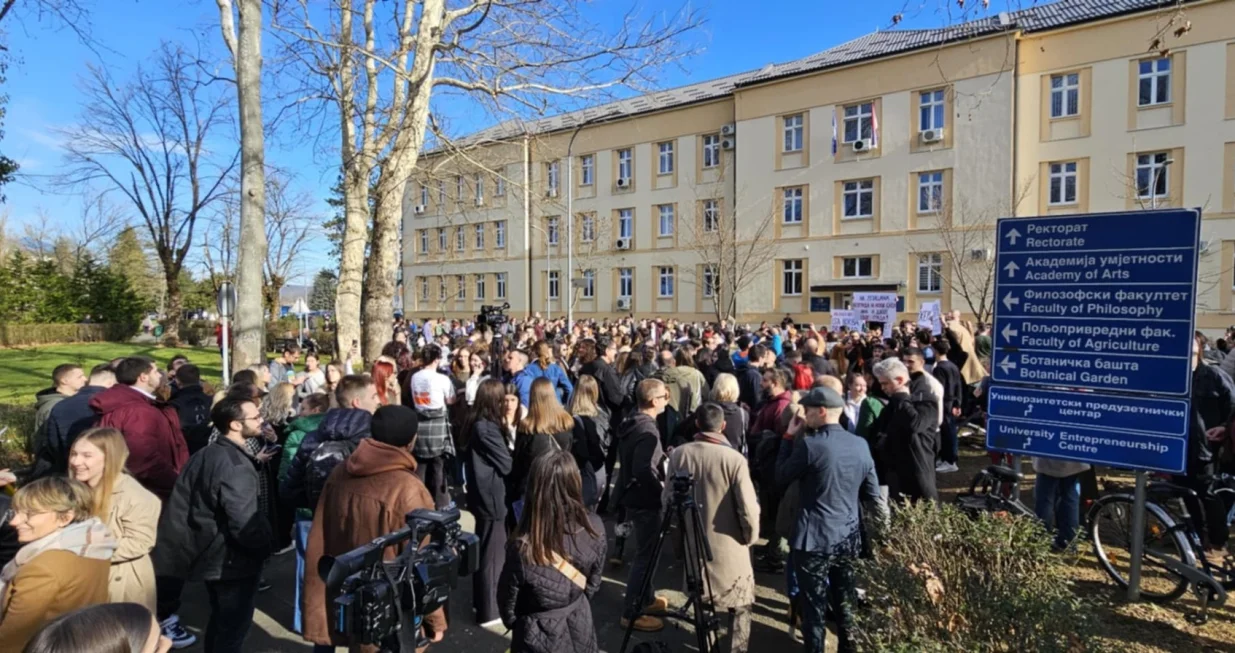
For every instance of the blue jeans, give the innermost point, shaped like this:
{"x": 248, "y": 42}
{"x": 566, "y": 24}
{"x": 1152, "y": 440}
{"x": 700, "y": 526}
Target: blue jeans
{"x": 647, "y": 529}
{"x": 949, "y": 449}
{"x": 302, "y": 544}
{"x": 1057, "y": 500}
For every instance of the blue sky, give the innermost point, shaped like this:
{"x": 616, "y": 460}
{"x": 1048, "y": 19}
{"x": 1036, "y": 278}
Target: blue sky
{"x": 49, "y": 62}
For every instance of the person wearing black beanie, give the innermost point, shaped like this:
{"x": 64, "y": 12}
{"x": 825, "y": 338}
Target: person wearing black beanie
{"x": 395, "y": 425}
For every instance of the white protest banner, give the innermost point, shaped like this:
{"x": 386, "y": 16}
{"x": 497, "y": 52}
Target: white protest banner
{"x": 929, "y": 317}
{"x": 875, "y": 306}
{"x": 846, "y": 318}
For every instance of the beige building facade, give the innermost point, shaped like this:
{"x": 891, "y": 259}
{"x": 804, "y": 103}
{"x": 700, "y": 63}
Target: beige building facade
{"x": 878, "y": 165}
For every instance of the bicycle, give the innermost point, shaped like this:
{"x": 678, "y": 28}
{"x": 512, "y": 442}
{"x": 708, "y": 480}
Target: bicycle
{"x": 986, "y": 494}
{"x": 1173, "y": 558}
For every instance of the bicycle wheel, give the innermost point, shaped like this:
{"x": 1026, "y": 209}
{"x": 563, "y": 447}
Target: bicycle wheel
{"x": 1110, "y": 530}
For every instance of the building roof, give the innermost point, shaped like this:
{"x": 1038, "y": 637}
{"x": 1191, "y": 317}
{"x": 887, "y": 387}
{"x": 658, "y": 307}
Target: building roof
{"x": 879, "y": 44}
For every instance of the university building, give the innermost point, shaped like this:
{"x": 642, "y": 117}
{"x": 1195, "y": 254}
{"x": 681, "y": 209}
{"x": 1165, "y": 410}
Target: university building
{"x": 877, "y": 165}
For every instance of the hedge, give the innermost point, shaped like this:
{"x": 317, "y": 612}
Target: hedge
{"x": 21, "y": 335}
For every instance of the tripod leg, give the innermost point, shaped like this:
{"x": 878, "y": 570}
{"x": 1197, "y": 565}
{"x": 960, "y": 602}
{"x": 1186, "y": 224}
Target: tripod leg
{"x": 646, "y": 584}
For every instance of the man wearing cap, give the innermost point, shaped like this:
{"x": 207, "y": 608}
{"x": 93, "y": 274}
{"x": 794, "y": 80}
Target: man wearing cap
{"x": 835, "y": 473}
{"x": 367, "y": 496}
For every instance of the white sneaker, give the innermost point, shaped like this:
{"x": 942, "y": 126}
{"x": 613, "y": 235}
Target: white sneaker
{"x": 179, "y": 637}
{"x": 946, "y": 468}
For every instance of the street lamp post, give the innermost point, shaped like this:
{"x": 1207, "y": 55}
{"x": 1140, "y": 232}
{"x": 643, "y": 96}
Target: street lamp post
{"x": 570, "y": 215}
{"x": 226, "y": 303}
{"x": 548, "y": 268}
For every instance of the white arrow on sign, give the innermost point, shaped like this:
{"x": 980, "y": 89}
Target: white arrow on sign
{"x": 1012, "y": 235}
{"x": 1009, "y": 333}
{"x": 1007, "y": 364}
{"x": 1010, "y": 301}
{"x": 1011, "y": 267}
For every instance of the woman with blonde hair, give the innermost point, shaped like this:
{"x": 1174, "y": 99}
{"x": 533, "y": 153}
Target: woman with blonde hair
{"x": 547, "y": 428}
{"x": 279, "y": 406}
{"x": 542, "y": 366}
{"x": 63, "y": 563}
{"x": 591, "y": 437}
{"x": 130, "y": 511}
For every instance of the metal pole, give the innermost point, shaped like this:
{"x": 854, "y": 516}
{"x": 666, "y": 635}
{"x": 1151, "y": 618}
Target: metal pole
{"x": 570, "y": 235}
{"x": 1016, "y": 487}
{"x": 1138, "y": 537}
{"x": 548, "y": 269}
{"x": 225, "y": 345}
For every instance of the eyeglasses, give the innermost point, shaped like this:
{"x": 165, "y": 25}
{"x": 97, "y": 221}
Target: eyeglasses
{"x": 250, "y": 419}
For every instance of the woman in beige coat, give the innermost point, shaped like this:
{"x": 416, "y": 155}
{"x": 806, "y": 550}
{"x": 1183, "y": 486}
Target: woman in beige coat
{"x": 130, "y": 511}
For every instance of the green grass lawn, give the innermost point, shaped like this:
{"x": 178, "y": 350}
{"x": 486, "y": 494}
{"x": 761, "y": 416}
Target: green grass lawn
{"x": 23, "y": 372}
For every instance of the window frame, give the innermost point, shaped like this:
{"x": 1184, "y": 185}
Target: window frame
{"x": 499, "y": 280}
{"x": 424, "y": 195}
{"x": 1058, "y": 173}
{"x": 553, "y": 175}
{"x": 665, "y": 159}
{"x": 443, "y": 242}
{"x": 932, "y": 104}
{"x": 1162, "y": 179}
{"x": 553, "y": 231}
{"x": 793, "y": 134}
{"x": 499, "y": 234}
{"x": 711, "y": 213}
{"x": 626, "y": 164}
{"x": 932, "y": 264}
{"x": 424, "y": 289}
{"x": 589, "y": 285}
{"x": 665, "y": 273}
{"x": 424, "y": 241}
{"x": 480, "y": 287}
{"x": 479, "y": 236}
{"x": 459, "y": 186}
{"x": 587, "y": 169}
{"x": 479, "y": 181}
{"x": 441, "y": 191}
{"x": 1068, "y": 93}
{"x": 460, "y": 239}
{"x": 626, "y": 223}
{"x": 587, "y": 228}
{"x": 711, "y": 151}
{"x": 626, "y": 283}
{"x": 792, "y": 196}
{"x": 791, "y": 277}
{"x": 1154, "y": 77}
{"x": 857, "y": 192}
{"x": 858, "y": 118}
{"x": 661, "y": 216}
{"x": 554, "y": 284}
{"x": 711, "y": 280}
{"x": 499, "y": 185}
{"x": 931, "y": 184}
{"x": 857, "y": 267}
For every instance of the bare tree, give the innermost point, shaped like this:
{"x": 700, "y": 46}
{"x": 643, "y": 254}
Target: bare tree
{"x": 152, "y": 140}
{"x": 220, "y": 241}
{"x": 246, "y": 53}
{"x": 733, "y": 251}
{"x": 289, "y": 225}
{"x": 384, "y": 61}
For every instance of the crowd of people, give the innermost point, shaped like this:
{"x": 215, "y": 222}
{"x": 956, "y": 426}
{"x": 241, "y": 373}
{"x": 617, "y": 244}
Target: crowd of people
{"x": 145, "y": 479}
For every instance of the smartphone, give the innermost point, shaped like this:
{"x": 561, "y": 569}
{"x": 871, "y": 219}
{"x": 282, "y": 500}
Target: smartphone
{"x": 273, "y": 448}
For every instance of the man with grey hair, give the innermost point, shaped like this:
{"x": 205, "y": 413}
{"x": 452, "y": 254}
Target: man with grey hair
{"x": 905, "y": 434}
{"x": 835, "y": 474}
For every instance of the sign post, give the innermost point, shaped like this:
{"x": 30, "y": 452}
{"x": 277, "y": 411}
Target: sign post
{"x": 1093, "y": 329}
{"x": 226, "y": 304}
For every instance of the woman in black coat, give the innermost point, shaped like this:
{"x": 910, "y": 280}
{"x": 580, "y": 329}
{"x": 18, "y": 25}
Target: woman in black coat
{"x": 546, "y": 429}
{"x": 553, "y": 564}
{"x": 488, "y": 465}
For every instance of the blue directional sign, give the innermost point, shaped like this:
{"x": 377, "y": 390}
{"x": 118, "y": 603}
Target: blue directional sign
{"x": 1104, "y": 301}
{"x": 1091, "y": 427}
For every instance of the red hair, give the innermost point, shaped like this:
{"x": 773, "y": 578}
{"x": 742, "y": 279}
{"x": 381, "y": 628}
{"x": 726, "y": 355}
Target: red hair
{"x": 381, "y": 373}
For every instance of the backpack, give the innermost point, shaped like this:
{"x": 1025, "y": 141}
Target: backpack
{"x": 803, "y": 376}
{"x": 322, "y": 462}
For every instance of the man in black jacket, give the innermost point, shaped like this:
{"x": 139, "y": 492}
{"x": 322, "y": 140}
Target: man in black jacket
{"x": 905, "y": 434}
{"x": 818, "y": 364}
{"x": 193, "y": 405}
{"x": 67, "y": 420}
{"x": 213, "y": 529}
{"x": 639, "y": 486}
{"x": 601, "y": 369}
{"x": 750, "y": 377}
{"x": 949, "y": 376}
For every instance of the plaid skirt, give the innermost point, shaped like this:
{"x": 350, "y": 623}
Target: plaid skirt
{"x": 433, "y": 437}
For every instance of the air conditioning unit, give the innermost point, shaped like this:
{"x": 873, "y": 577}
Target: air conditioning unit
{"x": 419, "y": 209}
{"x": 861, "y": 145}
{"x": 623, "y": 304}
{"x": 729, "y": 130}
{"x": 980, "y": 254}
{"x": 480, "y": 201}
{"x": 623, "y": 183}
{"x": 728, "y": 143}
{"x": 623, "y": 243}
{"x": 931, "y": 135}
{"x": 552, "y": 192}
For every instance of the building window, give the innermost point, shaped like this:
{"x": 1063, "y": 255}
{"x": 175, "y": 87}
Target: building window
{"x": 711, "y": 216}
{"x": 1063, "y": 183}
{"x": 500, "y": 279}
{"x": 859, "y": 122}
{"x": 626, "y": 283}
{"x": 555, "y": 284}
{"x": 666, "y": 158}
{"x": 859, "y": 198}
{"x": 930, "y": 273}
{"x": 626, "y": 223}
{"x": 551, "y": 172}
{"x": 931, "y": 110}
{"x": 424, "y": 289}
{"x": 480, "y": 189}
{"x": 441, "y": 239}
{"x": 625, "y": 165}
{"x": 792, "y": 276}
{"x": 480, "y": 236}
{"x": 930, "y": 191}
{"x": 587, "y": 169}
{"x": 424, "y": 194}
{"x": 480, "y": 286}
{"x": 458, "y": 188}
{"x": 1154, "y": 81}
{"x": 589, "y": 284}
{"x": 460, "y": 239}
{"x": 587, "y": 228}
{"x": 666, "y": 281}
{"x": 499, "y": 185}
{"x": 441, "y": 191}
{"x": 1152, "y": 176}
{"x": 666, "y": 219}
{"x": 1065, "y": 95}
{"x": 424, "y": 241}
{"x": 711, "y": 150}
{"x": 441, "y": 289}
{"x": 793, "y": 133}
{"x": 552, "y": 231}
{"x": 793, "y": 205}
{"x": 711, "y": 280}
{"x": 461, "y": 287}
{"x": 856, "y": 267}
{"x": 499, "y": 234}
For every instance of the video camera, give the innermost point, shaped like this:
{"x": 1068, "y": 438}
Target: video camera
{"x": 378, "y": 601}
{"x": 493, "y": 315}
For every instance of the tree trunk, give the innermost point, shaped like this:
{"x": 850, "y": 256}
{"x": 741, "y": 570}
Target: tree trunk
{"x": 249, "y": 318}
{"x": 351, "y": 260}
{"x": 270, "y": 296}
{"x": 171, "y": 326}
{"x": 379, "y": 288}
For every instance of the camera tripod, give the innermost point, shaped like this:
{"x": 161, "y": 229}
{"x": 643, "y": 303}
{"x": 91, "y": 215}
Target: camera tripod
{"x": 696, "y": 554}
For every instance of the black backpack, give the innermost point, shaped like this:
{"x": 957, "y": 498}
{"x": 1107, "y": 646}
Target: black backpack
{"x": 322, "y": 462}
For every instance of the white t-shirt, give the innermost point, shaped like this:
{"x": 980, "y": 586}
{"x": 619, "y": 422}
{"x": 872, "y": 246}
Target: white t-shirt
{"x": 430, "y": 389}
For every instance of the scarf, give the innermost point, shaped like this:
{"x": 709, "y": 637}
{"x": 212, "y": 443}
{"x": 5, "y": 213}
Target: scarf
{"x": 88, "y": 539}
